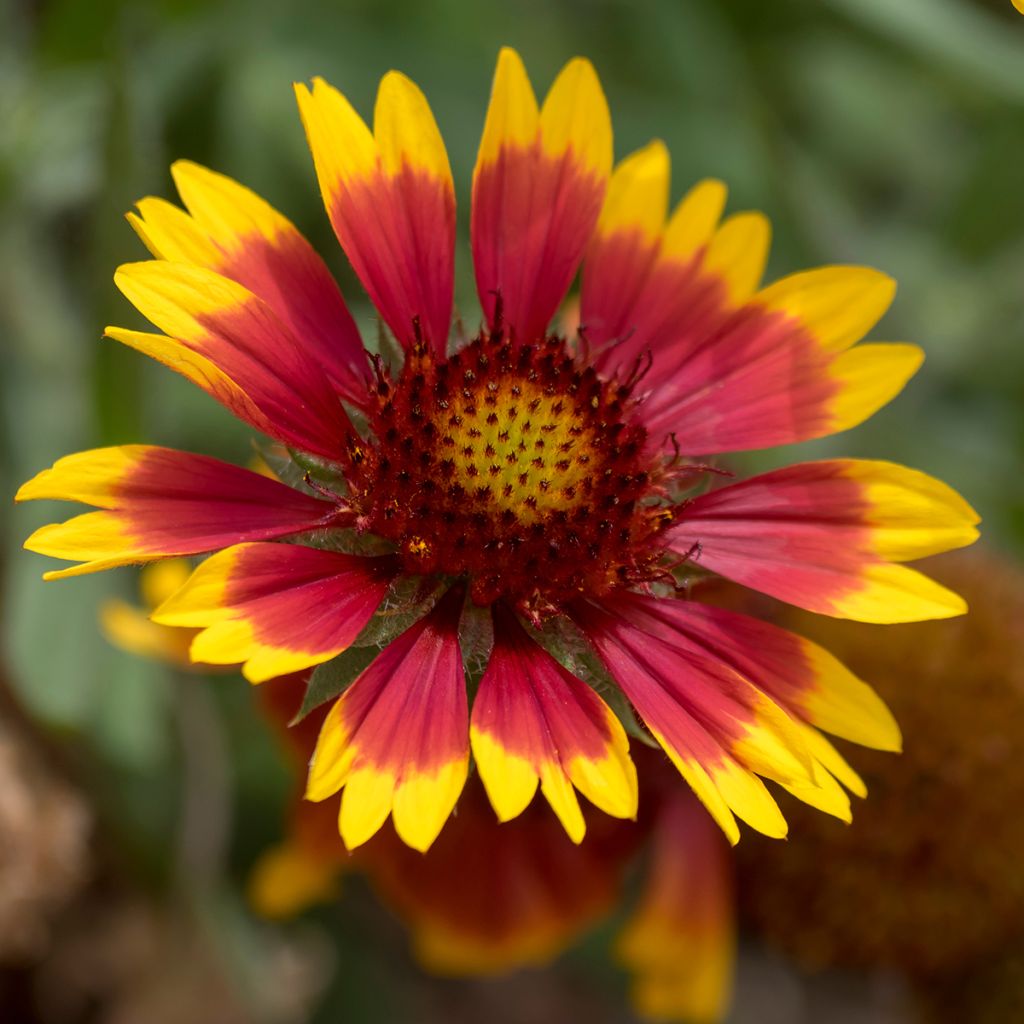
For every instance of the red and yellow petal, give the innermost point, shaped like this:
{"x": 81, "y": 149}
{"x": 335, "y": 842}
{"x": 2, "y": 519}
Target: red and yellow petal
{"x": 259, "y": 364}
{"x": 718, "y": 729}
{"x": 624, "y": 245}
{"x": 799, "y": 675}
{"x": 734, "y": 368}
{"x": 679, "y": 945}
{"x": 801, "y": 679}
{"x": 782, "y": 395}
{"x": 824, "y": 536}
{"x": 836, "y": 305}
{"x": 765, "y": 375}
{"x": 397, "y": 739}
{"x": 538, "y": 186}
{"x": 158, "y": 502}
{"x": 277, "y": 608}
{"x": 390, "y": 198}
{"x": 534, "y": 722}
{"x": 669, "y": 299}
{"x": 194, "y": 367}
{"x": 232, "y": 231}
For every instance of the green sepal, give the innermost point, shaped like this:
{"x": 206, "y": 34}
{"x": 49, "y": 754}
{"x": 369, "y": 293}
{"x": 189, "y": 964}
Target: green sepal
{"x": 476, "y": 639}
{"x": 331, "y": 679}
{"x": 323, "y": 471}
{"x": 296, "y": 468}
{"x": 388, "y": 348}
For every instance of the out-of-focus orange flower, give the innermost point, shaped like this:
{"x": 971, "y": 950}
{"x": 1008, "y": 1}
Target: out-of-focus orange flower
{"x": 490, "y": 897}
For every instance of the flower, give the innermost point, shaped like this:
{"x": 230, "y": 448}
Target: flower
{"x": 488, "y": 897}
{"x": 537, "y": 495}
{"x": 679, "y": 944}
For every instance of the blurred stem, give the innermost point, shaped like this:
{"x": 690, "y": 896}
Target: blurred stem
{"x": 204, "y": 823}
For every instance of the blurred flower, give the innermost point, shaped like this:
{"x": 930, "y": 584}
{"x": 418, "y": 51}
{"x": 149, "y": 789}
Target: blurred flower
{"x": 929, "y": 879}
{"x": 680, "y": 942}
{"x": 130, "y": 627}
{"x": 538, "y": 494}
{"x": 305, "y": 867}
{"x": 490, "y": 897}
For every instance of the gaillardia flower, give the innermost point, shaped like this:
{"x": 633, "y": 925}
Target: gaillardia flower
{"x": 530, "y": 508}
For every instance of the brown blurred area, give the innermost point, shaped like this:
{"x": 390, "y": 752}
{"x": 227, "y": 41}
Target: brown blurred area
{"x": 82, "y": 941}
{"x": 928, "y": 880}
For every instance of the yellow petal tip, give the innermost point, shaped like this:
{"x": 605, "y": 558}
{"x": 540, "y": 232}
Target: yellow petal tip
{"x": 28, "y": 490}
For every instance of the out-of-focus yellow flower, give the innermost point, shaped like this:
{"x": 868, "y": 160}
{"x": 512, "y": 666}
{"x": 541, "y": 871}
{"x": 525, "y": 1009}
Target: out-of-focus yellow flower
{"x": 680, "y": 943}
{"x": 129, "y": 626}
{"x": 294, "y": 875}
{"x": 305, "y": 867}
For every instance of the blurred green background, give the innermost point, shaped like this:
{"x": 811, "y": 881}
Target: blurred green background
{"x": 886, "y": 132}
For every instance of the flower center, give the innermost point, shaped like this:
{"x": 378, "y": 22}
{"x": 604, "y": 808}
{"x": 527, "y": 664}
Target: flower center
{"x": 517, "y": 443}
{"x": 516, "y": 467}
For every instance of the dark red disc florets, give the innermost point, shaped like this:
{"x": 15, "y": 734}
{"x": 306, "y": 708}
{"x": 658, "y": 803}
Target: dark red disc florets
{"x": 515, "y": 467}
